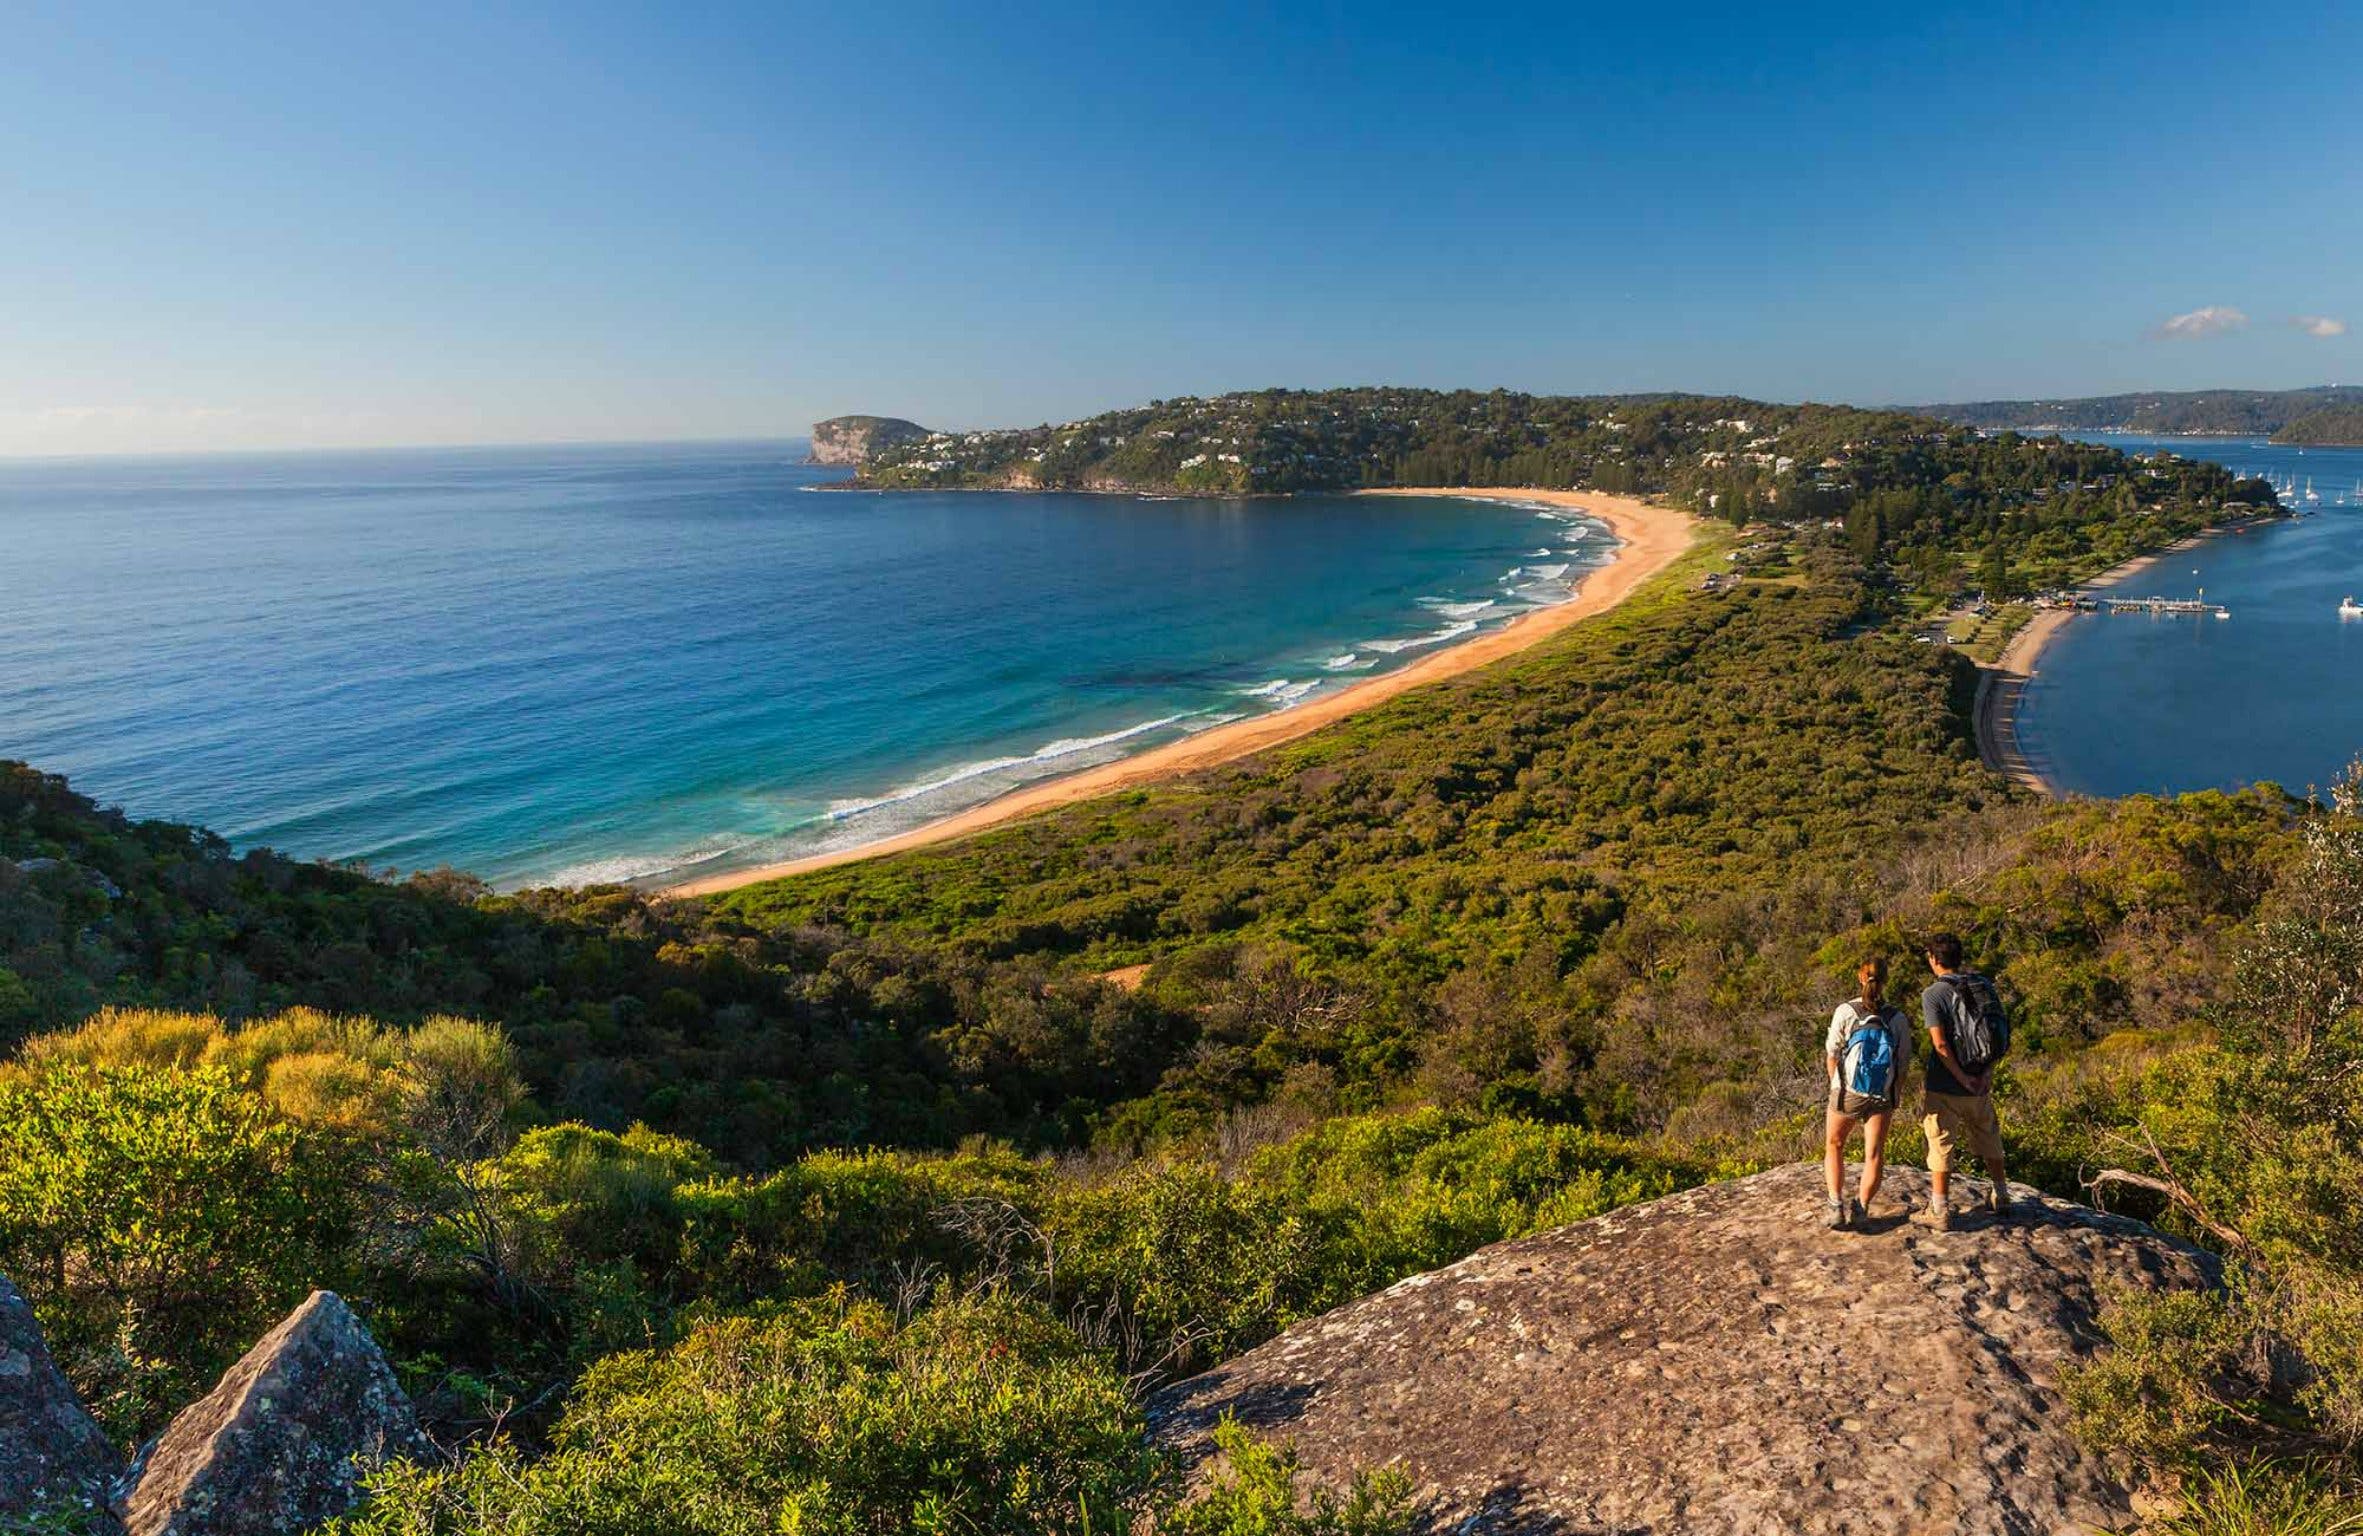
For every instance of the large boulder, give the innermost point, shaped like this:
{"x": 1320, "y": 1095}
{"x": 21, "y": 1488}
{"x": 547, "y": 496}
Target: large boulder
{"x": 282, "y": 1443}
{"x": 56, "y": 1464}
{"x": 1717, "y": 1361}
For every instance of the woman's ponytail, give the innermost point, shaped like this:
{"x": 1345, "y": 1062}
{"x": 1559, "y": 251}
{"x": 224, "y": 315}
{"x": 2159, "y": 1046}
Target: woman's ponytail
{"x": 1872, "y": 975}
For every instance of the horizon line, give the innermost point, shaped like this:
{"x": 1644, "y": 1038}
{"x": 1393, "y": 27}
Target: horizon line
{"x": 10, "y": 457}
{"x": 70, "y": 456}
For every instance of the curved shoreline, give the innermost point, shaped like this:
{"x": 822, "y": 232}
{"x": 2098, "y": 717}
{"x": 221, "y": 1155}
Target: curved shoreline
{"x": 1649, "y": 538}
{"x": 2002, "y": 686}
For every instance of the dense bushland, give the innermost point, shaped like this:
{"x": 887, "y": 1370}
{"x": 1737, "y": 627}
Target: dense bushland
{"x": 736, "y": 1188}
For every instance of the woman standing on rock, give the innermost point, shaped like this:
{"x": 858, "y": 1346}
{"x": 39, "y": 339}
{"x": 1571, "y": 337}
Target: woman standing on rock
{"x": 1867, "y": 1049}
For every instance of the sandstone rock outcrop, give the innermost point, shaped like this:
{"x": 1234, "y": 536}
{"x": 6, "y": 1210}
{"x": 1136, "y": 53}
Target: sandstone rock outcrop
{"x": 1718, "y": 1362}
{"x": 54, "y": 1459}
{"x": 282, "y": 1443}
{"x": 852, "y": 439}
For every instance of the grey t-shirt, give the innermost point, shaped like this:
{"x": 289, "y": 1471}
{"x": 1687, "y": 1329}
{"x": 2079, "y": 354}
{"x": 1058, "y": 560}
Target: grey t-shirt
{"x": 1942, "y": 1007}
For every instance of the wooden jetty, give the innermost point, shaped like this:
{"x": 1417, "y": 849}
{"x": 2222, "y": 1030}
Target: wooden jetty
{"x": 2190, "y": 605}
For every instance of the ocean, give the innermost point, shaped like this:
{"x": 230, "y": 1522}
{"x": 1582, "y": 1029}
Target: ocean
{"x": 579, "y": 664}
{"x": 2121, "y": 704}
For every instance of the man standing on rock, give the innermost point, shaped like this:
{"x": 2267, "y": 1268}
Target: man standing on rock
{"x": 1967, "y": 1034}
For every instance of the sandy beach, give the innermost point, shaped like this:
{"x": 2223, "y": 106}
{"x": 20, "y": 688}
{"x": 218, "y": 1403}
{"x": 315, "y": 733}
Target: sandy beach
{"x": 2000, "y": 686}
{"x": 1649, "y": 539}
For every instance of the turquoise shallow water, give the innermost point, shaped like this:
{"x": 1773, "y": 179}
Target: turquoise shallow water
{"x": 567, "y": 664}
{"x": 2123, "y": 704}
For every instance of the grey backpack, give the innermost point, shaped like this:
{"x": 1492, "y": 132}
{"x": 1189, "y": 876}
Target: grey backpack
{"x": 1981, "y": 1026}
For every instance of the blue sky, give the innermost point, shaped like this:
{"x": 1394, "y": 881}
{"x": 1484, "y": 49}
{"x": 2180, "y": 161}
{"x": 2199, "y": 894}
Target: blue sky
{"x": 245, "y": 225}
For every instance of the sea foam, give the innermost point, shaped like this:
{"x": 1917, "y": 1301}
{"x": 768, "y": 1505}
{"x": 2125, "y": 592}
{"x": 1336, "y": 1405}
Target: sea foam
{"x": 1281, "y": 691}
{"x": 1456, "y": 610}
{"x": 623, "y": 869}
{"x": 1396, "y": 646}
{"x": 1064, "y": 747}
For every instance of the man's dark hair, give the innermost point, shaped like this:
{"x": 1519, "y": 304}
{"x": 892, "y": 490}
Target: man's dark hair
{"x": 1945, "y": 950}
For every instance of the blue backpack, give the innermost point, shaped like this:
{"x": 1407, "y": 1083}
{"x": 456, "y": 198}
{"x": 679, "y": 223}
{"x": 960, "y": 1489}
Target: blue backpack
{"x": 1867, "y": 1064}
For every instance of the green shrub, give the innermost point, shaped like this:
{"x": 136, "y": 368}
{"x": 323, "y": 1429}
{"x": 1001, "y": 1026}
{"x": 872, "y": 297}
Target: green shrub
{"x": 1255, "y": 1494}
{"x": 160, "y": 1219}
{"x": 867, "y": 1218}
{"x": 2252, "y": 1141}
{"x": 2159, "y": 1390}
{"x": 821, "y": 1418}
{"x": 2265, "y": 1498}
{"x": 1199, "y": 1264}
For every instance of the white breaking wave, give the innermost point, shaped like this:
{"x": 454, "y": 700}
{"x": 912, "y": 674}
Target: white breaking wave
{"x": 1281, "y": 691}
{"x": 1413, "y": 642}
{"x": 1341, "y": 662}
{"x": 1547, "y": 572}
{"x": 623, "y": 869}
{"x": 842, "y": 809}
{"x": 1458, "y": 610}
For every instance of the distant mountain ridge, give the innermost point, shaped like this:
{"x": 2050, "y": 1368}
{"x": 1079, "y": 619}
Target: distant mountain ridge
{"x": 2197, "y": 412}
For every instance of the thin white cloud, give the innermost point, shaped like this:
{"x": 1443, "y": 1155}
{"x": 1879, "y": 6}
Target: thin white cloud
{"x": 2214, "y": 320}
{"x": 2324, "y": 326}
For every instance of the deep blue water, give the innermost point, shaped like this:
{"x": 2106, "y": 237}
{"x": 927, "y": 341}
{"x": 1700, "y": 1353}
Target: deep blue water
{"x": 566, "y": 664}
{"x": 2121, "y": 704}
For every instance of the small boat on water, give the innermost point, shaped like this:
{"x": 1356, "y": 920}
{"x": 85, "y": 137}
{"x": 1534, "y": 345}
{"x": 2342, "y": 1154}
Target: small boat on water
{"x": 2311, "y": 498}
{"x": 2350, "y": 609}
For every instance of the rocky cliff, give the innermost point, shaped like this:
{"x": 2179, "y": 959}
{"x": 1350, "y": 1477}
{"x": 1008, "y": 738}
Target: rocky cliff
{"x": 852, "y": 440}
{"x": 1718, "y": 1362}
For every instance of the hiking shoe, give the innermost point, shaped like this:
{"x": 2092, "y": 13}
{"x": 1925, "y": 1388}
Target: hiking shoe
{"x": 1998, "y": 1201}
{"x": 1837, "y": 1215}
{"x": 1937, "y": 1218}
{"x": 1859, "y": 1215}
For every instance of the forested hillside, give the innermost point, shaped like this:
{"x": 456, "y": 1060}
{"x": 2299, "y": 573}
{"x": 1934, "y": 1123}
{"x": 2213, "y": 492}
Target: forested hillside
{"x": 1510, "y": 950}
{"x": 2206, "y": 412}
{"x": 2341, "y": 426}
{"x": 1713, "y": 454}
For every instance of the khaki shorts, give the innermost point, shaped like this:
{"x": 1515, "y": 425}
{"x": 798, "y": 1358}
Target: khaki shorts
{"x": 1955, "y": 1118}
